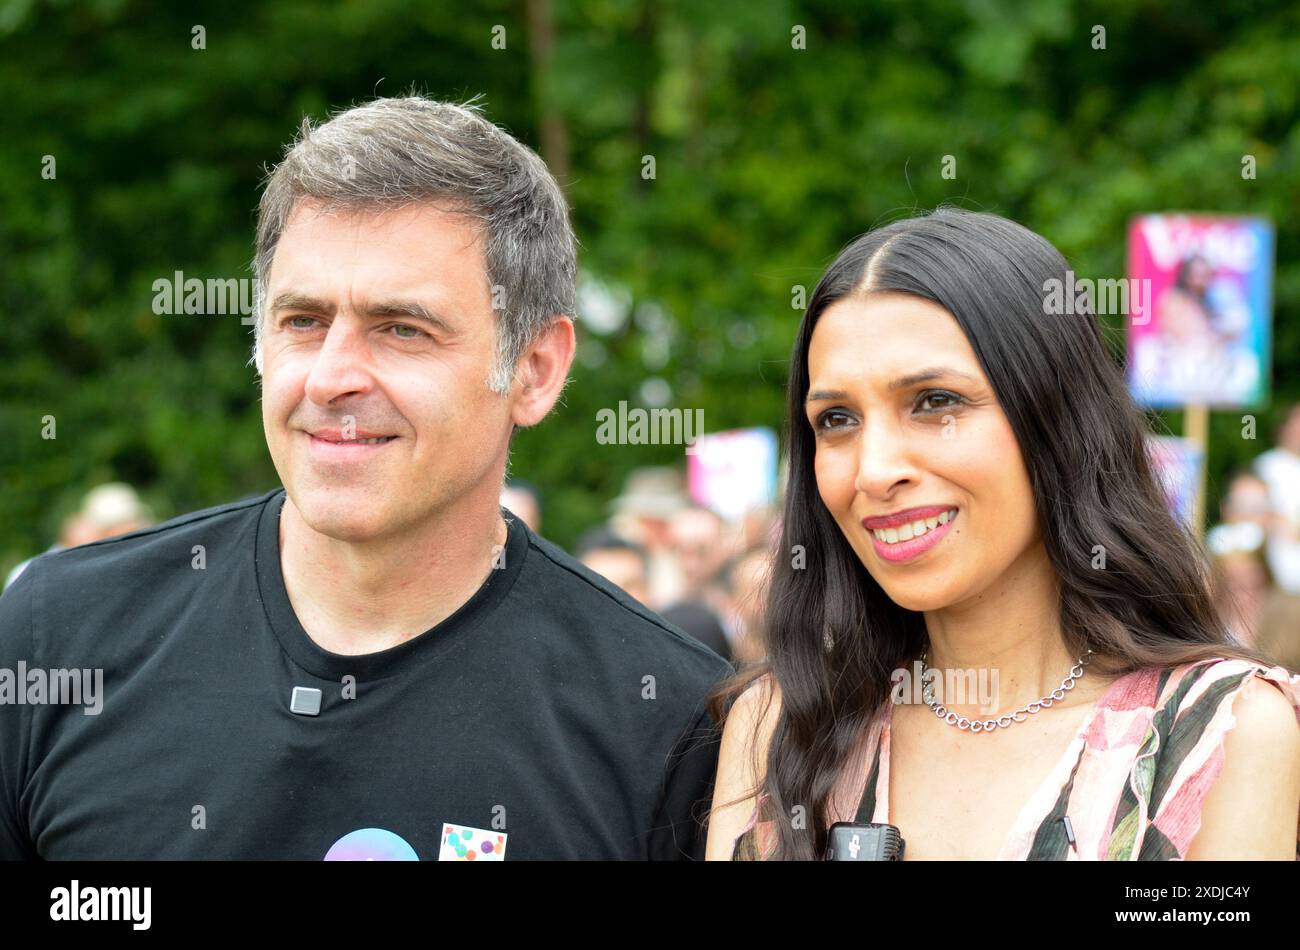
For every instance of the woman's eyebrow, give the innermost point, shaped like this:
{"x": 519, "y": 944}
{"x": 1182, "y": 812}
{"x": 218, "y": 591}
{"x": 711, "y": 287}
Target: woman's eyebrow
{"x": 902, "y": 382}
{"x": 927, "y": 374}
{"x": 824, "y": 395}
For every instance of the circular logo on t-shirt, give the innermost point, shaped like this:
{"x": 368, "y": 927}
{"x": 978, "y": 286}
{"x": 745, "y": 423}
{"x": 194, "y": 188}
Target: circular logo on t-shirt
{"x": 371, "y": 844}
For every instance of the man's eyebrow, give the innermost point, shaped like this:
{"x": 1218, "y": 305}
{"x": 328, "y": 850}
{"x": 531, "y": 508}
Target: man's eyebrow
{"x": 295, "y": 301}
{"x": 409, "y": 308}
{"x": 902, "y": 382}
{"x": 386, "y": 308}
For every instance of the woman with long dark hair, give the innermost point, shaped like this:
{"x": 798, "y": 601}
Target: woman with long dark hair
{"x": 984, "y": 626}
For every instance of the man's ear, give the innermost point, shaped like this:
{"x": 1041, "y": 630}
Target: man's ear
{"x": 542, "y": 371}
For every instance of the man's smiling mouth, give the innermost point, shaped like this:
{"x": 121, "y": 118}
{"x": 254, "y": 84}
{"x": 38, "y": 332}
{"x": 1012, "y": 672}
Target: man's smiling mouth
{"x": 330, "y": 444}
{"x": 381, "y": 439}
{"x": 350, "y": 437}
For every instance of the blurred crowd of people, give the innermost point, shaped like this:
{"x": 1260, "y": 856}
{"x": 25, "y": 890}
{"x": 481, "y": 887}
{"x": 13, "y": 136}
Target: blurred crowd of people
{"x": 1255, "y": 551}
{"x": 702, "y": 572}
{"x": 707, "y": 574}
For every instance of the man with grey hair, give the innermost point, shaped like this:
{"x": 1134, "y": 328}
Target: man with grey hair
{"x": 376, "y": 661}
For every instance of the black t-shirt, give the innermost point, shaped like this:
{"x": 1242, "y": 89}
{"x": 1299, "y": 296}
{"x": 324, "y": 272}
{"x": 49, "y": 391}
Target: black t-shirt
{"x": 551, "y": 716}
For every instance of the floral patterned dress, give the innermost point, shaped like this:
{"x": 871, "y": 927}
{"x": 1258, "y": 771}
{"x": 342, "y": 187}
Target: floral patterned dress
{"x": 1132, "y": 781}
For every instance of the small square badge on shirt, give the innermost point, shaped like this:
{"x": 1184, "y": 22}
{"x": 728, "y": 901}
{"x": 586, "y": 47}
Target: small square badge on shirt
{"x": 305, "y": 701}
{"x": 461, "y": 843}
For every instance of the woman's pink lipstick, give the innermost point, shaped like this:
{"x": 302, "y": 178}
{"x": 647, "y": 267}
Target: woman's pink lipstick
{"x": 907, "y": 550}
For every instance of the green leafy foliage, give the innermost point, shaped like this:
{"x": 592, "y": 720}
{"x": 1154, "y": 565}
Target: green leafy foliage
{"x": 768, "y": 159}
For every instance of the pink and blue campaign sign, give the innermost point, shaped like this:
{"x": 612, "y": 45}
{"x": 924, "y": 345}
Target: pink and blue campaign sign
{"x": 1177, "y": 463}
{"x": 1205, "y": 337}
{"x": 733, "y": 472}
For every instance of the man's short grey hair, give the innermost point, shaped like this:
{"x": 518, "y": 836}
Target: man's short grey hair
{"x": 397, "y": 151}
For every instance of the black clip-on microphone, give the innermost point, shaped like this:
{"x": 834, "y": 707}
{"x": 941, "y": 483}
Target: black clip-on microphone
{"x": 864, "y": 841}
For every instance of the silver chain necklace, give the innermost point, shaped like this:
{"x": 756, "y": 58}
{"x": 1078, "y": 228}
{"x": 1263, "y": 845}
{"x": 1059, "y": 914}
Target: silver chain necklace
{"x": 1020, "y": 715}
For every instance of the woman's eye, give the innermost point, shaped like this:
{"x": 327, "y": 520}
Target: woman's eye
{"x": 825, "y": 420}
{"x": 947, "y": 400}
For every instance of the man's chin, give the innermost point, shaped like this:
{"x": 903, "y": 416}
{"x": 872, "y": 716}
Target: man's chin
{"x": 352, "y": 532}
{"x": 343, "y": 516}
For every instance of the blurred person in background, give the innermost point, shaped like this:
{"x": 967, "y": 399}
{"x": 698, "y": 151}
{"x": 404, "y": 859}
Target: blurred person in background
{"x": 703, "y": 542}
{"x": 106, "y": 511}
{"x": 627, "y": 564}
{"x": 1279, "y": 468}
{"x": 760, "y": 528}
{"x": 744, "y": 579}
{"x": 1249, "y": 500}
{"x": 1279, "y": 630}
{"x": 1242, "y": 582}
{"x": 524, "y": 499}
{"x": 621, "y": 562}
{"x": 643, "y": 515}
{"x": 1259, "y": 614}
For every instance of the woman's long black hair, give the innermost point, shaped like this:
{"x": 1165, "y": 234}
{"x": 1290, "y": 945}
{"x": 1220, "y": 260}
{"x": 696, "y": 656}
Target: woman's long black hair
{"x": 834, "y": 636}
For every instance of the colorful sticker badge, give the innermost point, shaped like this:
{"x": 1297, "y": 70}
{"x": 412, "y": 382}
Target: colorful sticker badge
{"x": 460, "y": 843}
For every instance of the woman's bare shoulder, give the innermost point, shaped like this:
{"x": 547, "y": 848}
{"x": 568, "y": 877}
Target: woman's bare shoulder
{"x": 760, "y": 700}
{"x": 1251, "y": 810}
{"x": 742, "y": 760}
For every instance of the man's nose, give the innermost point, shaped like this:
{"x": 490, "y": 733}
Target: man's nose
{"x": 342, "y": 364}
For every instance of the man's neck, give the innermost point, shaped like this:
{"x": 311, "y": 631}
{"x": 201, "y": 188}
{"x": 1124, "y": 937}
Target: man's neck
{"x": 354, "y": 598}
